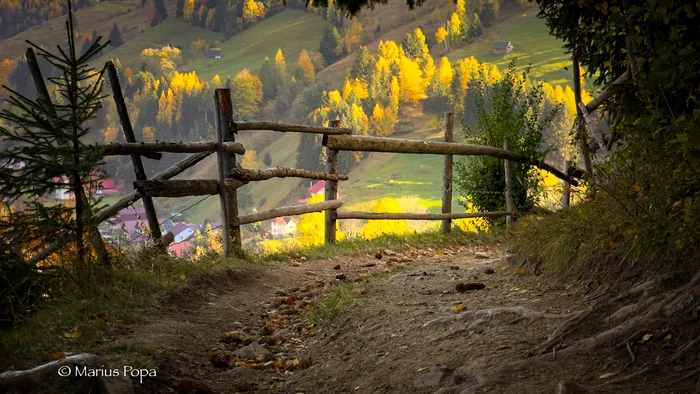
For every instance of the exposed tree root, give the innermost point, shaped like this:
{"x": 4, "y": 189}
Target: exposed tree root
{"x": 489, "y": 313}
{"x": 656, "y": 366}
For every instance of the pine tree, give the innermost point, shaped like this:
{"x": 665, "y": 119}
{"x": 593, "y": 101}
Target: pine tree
{"x": 179, "y": 9}
{"x": 161, "y": 10}
{"x": 330, "y": 41}
{"x": 53, "y": 133}
{"x": 267, "y": 160}
{"x": 363, "y": 65}
{"x": 115, "y": 36}
{"x": 489, "y": 13}
{"x": 270, "y": 78}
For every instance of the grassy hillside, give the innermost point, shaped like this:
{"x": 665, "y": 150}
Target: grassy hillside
{"x": 291, "y": 30}
{"x": 128, "y": 14}
{"x": 533, "y": 45}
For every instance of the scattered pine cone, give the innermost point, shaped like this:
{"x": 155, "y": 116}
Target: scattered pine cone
{"x": 461, "y": 287}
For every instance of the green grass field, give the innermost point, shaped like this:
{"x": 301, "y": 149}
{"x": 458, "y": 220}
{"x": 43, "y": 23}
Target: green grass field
{"x": 291, "y": 30}
{"x": 533, "y": 45}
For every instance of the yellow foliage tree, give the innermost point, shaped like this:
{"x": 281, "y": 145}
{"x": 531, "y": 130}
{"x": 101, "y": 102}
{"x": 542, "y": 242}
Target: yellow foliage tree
{"x": 149, "y": 134}
{"x": 280, "y": 63}
{"x": 472, "y": 225}
{"x": 390, "y": 51}
{"x": 249, "y": 160}
{"x": 334, "y": 99}
{"x": 377, "y": 228}
{"x": 445, "y": 73}
{"x": 312, "y": 226}
{"x": 441, "y": 36}
{"x": 253, "y": 11}
{"x": 411, "y": 81}
{"x": 188, "y": 10}
{"x": 216, "y": 81}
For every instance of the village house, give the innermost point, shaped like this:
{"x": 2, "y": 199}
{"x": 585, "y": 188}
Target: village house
{"x": 212, "y": 53}
{"x": 283, "y": 227}
{"x": 500, "y": 47}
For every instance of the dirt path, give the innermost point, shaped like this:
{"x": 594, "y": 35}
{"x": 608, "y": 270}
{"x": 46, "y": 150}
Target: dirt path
{"x": 409, "y": 330}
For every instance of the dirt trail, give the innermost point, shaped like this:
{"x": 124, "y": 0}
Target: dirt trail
{"x": 409, "y": 330}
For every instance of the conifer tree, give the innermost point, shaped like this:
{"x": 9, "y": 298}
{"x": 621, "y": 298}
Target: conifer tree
{"x": 267, "y": 160}
{"x": 115, "y": 36}
{"x": 330, "y": 42}
{"x": 363, "y": 65}
{"x": 45, "y": 141}
{"x": 179, "y": 9}
{"x": 161, "y": 10}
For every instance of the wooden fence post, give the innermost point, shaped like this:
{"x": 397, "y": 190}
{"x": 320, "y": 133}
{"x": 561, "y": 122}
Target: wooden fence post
{"x": 231, "y": 232}
{"x": 566, "y": 187}
{"x": 447, "y": 176}
{"x": 331, "y": 188}
{"x": 509, "y": 188}
{"x": 139, "y": 170}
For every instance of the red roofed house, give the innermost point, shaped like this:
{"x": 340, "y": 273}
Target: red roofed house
{"x": 107, "y": 187}
{"x": 180, "y": 249}
{"x": 283, "y": 227}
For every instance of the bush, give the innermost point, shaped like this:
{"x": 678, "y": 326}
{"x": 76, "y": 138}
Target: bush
{"x": 511, "y": 109}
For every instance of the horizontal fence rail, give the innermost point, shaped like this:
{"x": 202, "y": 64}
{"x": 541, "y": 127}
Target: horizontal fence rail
{"x": 282, "y": 172}
{"x": 288, "y": 211}
{"x": 184, "y": 187}
{"x": 416, "y": 216}
{"x": 127, "y": 148}
{"x": 296, "y": 128}
{"x": 397, "y": 145}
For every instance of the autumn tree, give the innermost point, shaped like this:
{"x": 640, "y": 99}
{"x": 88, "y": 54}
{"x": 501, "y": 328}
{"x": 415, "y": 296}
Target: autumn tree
{"x": 253, "y": 11}
{"x": 377, "y": 228}
{"x": 246, "y": 93}
{"x": 249, "y": 160}
{"x": 160, "y": 9}
{"x": 305, "y": 68}
{"x": 442, "y": 37}
{"x": 414, "y": 46}
{"x": 311, "y": 227}
{"x": 411, "y": 81}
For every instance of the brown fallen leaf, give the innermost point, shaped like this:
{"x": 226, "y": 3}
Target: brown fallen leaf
{"x": 57, "y": 355}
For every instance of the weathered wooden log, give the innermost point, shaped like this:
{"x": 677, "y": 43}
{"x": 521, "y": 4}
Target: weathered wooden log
{"x": 296, "y": 128}
{"x": 595, "y": 131}
{"x": 509, "y": 187}
{"x": 129, "y": 199}
{"x": 416, "y": 216}
{"x": 288, "y": 211}
{"x": 281, "y": 172}
{"x": 605, "y": 94}
{"x": 127, "y": 148}
{"x": 331, "y": 189}
{"x": 396, "y": 145}
{"x": 226, "y": 131}
{"x": 447, "y": 175}
{"x": 184, "y": 187}
{"x": 67, "y": 375}
{"x": 139, "y": 170}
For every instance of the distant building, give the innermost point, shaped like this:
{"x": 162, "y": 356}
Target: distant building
{"x": 502, "y": 47}
{"x": 180, "y": 249}
{"x": 107, "y": 187}
{"x": 212, "y": 53}
{"x": 175, "y": 45}
{"x": 283, "y": 227}
{"x": 182, "y": 232}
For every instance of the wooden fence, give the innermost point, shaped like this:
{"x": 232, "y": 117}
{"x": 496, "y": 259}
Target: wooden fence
{"x": 231, "y": 176}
